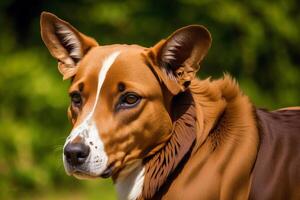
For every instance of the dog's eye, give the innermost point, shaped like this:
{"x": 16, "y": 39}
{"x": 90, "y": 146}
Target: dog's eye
{"x": 131, "y": 99}
{"x": 76, "y": 99}
{"x": 128, "y": 100}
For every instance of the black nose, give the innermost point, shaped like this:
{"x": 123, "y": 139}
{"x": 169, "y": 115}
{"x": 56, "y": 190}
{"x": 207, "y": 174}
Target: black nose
{"x": 76, "y": 153}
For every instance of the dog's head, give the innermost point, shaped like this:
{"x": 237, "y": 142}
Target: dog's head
{"x": 120, "y": 94}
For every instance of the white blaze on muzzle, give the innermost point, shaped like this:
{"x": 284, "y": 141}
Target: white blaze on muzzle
{"x": 97, "y": 160}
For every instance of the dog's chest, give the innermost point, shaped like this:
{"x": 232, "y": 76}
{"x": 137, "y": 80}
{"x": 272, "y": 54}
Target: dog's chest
{"x": 130, "y": 188}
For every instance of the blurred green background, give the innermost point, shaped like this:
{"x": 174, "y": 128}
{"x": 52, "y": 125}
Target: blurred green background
{"x": 257, "y": 41}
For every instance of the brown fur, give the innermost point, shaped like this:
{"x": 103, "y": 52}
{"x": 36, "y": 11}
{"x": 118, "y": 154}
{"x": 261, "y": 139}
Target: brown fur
{"x": 226, "y": 130}
{"x": 196, "y": 139}
{"x": 160, "y": 166}
{"x": 225, "y": 122}
{"x": 227, "y": 117}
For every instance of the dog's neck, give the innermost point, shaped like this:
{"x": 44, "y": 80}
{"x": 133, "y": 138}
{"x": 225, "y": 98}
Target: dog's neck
{"x": 142, "y": 181}
{"x": 162, "y": 164}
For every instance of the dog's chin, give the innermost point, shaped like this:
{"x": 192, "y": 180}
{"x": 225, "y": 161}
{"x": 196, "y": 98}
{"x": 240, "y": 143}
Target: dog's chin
{"x": 83, "y": 176}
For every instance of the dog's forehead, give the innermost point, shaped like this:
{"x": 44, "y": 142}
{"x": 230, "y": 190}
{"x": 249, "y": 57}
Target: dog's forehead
{"x": 97, "y": 55}
{"x": 129, "y": 65}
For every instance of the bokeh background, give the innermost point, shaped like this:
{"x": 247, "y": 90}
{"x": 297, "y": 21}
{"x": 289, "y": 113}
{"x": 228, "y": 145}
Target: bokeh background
{"x": 257, "y": 41}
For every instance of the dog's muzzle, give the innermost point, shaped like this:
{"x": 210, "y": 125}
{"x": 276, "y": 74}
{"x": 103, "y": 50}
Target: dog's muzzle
{"x": 84, "y": 155}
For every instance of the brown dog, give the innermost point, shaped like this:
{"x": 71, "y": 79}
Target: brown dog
{"x": 141, "y": 116}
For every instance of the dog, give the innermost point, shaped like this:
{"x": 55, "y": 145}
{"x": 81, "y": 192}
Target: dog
{"x": 142, "y": 117}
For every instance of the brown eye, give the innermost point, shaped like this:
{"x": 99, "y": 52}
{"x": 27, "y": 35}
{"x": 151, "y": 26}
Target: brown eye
{"x": 128, "y": 100}
{"x": 131, "y": 99}
{"x": 76, "y": 99}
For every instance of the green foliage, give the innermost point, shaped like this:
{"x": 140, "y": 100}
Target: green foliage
{"x": 257, "y": 41}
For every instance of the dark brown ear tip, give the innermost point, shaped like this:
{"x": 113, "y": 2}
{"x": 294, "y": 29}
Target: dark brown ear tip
{"x": 44, "y": 13}
{"x": 202, "y": 32}
{"x": 47, "y": 16}
{"x": 199, "y": 29}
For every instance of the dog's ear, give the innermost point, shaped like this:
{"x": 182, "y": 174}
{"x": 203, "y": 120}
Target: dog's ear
{"x": 65, "y": 43}
{"x": 176, "y": 59}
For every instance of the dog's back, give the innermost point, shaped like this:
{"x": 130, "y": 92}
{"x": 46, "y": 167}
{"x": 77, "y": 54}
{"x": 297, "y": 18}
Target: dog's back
{"x": 276, "y": 172}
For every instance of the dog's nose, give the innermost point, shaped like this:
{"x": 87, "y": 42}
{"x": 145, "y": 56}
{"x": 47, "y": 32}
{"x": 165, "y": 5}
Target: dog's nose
{"x": 76, "y": 153}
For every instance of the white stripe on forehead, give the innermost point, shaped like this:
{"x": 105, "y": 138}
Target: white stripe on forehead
{"x": 107, "y": 63}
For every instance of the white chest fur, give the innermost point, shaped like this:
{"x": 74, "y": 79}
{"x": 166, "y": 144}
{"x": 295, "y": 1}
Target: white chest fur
{"x": 130, "y": 187}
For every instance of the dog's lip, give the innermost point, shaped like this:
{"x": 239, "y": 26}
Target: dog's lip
{"x": 107, "y": 172}
{"x": 80, "y": 172}
{"x": 82, "y": 175}
{"x": 72, "y": 171}
{"x": 76, "y": 171}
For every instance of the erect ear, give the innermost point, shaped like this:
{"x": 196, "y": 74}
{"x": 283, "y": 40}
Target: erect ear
{"x": 65, "y": 43}
{"x": 176, "y": 59}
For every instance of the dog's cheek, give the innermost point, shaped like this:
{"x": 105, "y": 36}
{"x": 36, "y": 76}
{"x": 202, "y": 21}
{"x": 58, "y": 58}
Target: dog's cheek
{"x": 162, "y": 125}
{"x": 155, "y": 133}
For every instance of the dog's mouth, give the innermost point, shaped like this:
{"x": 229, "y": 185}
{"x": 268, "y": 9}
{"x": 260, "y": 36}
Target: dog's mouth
{"x": 107, "y": 172}
{"x": 87, "y": 175}
{"x": 80, "y": 173}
